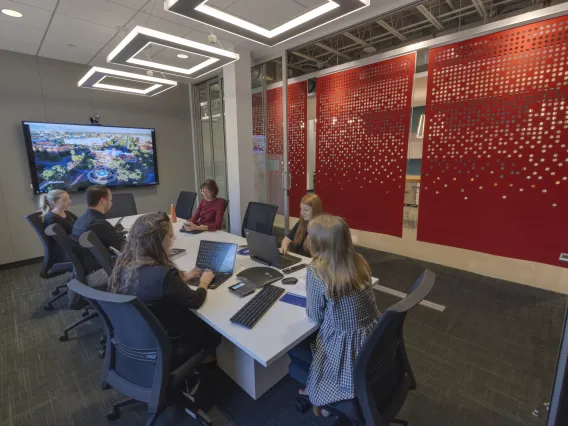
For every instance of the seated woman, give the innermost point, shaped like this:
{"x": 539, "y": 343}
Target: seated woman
{"x": 341, "y": 300}
{"x": 209, "y": 214}
{"x": 54, "y": 205}
{"x": 145, "y": 270}
{"x": 310, "y": 208}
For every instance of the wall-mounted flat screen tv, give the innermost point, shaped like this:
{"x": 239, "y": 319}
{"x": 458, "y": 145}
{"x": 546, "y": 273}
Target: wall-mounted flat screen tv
{"x": 74, "y": 156}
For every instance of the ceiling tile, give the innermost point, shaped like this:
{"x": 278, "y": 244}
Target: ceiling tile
{"x": 42, "y": 4}
{"x": 33, "y": 17}
{"x": 78, "y": 28}
{"x": 267, "y": 14}
{"x": 159, "y": 12}
{"x": 18, "y": 45}
{"x": 201, "y": 37}
{"x": 221, "y": 4}
{"x": 311, "y": 4}
{"x": 56, "y": 46}
{"x": 164, "y": 26}
{"x": 132, "y": 4}
{"x": 21, "y": 33}
{"x": 97, "y": 11}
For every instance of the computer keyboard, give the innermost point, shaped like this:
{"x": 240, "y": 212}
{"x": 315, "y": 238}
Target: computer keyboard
{"x": 286, "y": 261}
{"x": 294, "y": 269}
{"x": 249, "y": 314}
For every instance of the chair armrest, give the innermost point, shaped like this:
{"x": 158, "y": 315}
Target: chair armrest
{"x": 177, "y": 376}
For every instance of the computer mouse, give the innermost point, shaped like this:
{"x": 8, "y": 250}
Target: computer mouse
{"x": 289, "y": 280}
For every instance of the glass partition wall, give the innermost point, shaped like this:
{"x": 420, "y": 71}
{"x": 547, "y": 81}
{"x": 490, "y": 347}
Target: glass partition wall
{"x": 210, "y": 135}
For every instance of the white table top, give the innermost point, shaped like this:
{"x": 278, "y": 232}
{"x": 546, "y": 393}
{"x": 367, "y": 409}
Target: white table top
{"x": 279, "y": 330}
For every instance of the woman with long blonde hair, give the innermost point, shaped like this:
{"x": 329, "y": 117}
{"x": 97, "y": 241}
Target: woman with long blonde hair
{"x": 340, "y": 299}
{"x": 310, "y": 208}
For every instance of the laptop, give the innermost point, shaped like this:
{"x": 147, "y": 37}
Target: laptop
{"x": 219, "y": 257}
{"x": 264, "y": 249}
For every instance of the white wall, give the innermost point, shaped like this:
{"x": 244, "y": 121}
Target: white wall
{"x": 40, "y": 89}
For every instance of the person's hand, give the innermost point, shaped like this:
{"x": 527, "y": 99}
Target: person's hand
{"x": 206, "y": 278}
{"x": 283, "y": 250}
{"x": 190, "y": 226}
{"x": 191, "y": 275}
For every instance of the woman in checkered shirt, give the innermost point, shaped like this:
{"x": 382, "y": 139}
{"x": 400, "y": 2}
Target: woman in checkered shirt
{"x": 340, "y": 299}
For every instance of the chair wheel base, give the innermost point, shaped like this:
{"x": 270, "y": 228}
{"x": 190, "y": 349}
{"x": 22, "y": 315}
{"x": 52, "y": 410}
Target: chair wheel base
{"x": 113, "y": 415}
{"x": 55, "y": 292}
{"x": 302, "y": 405}
{"x": 48, "y": 308}
{"x": 63, "y": 338}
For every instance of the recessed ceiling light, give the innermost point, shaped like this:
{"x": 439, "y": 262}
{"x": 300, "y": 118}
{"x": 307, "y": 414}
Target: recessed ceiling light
{"x": 201, "y": 11}
{"x": 12, "y": 13}
{"x": 182, "y": 56}
{"x": 369, "y": 49}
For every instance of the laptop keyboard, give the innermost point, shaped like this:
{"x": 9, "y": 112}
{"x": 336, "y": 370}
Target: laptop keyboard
{"x": 219, "y": 279}
{"x": 287, "y": 261}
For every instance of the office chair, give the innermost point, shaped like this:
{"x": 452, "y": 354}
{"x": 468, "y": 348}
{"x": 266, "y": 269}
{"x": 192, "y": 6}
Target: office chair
{"x": 383, "y": 376}
{"x": 184, "y": 205}
{"x": 122, "y": 205}
{"x": 259, "y": 217}
{"x": 89, "y": 241}
{"x": 49, "y": 269}
{"x": 138, "y": 355}
{"x": 66, "y": 243}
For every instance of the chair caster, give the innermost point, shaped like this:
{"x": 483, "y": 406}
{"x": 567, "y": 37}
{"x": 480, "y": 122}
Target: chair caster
{"x": 302, "y": 405}
{"x": 55, "y": 292}
{"x": 63, "y": 338}
{"x": 85, "y": 314}
{"x": 103, "y": 340}
{"x": 102, "y": 353}
{"x": 113, "y": 415}
{"x": 48, "y": 308}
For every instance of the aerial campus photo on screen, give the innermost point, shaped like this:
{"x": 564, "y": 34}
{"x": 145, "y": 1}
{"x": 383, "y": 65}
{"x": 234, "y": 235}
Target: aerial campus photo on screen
{"x": 69, "y": 156}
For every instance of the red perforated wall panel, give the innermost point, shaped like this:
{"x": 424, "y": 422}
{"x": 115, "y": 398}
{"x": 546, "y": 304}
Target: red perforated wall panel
{"x": 495, "y": 162}
{"x": 257, "y": 123}
{"x": 297, "y": 143}
{"x": 362, "y": 143}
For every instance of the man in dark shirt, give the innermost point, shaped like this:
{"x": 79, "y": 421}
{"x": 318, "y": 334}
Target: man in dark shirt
{"x": 99, "y": 202}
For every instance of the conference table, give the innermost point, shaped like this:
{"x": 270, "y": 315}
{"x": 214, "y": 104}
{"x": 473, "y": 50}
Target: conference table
{"x": 255, "y": 359}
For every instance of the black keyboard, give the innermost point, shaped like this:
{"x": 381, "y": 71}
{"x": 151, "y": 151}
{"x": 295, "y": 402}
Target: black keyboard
{"x": 294, "y": 269}
{"x": 286, "y": 261}
{"x": 249, "y": 314}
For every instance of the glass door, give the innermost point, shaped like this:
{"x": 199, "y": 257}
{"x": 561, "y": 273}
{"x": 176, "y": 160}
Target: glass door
{"x": 210, "y": 135}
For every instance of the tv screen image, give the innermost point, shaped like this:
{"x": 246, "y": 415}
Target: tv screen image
{"x": 72, "y": 156}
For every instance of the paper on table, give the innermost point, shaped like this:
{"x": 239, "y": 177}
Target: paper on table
{"x": 299, "y": 289}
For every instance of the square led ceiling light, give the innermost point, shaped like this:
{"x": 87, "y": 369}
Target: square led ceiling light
{"x": 130, "y": 52}
{"x": 207, "y": 13}
{"x": 124, "y": 82}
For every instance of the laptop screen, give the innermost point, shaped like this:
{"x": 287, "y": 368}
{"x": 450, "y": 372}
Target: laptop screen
{"x": 219, "y": 257}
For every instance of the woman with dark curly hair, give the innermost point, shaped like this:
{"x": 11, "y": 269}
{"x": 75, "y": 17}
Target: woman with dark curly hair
{"x": 145, "y": 270}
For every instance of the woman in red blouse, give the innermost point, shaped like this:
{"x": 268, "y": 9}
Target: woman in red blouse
{"x": 209, "y": 214}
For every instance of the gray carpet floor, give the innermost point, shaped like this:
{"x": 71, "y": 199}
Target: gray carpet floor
{"x": 488, "y": 359}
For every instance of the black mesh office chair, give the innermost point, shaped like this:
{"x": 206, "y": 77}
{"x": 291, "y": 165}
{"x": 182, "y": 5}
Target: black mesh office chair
{"x": 68, "y": 245}
{"x": 88, "y": 240}
{"x": 184, "y": 205}
{"x": 259, "y": 217}
{"x": 122, "y": 205}
{"x": 383, "y": 376}
{"x": 49, "y": 268}
{"x": 138, "y": 355}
